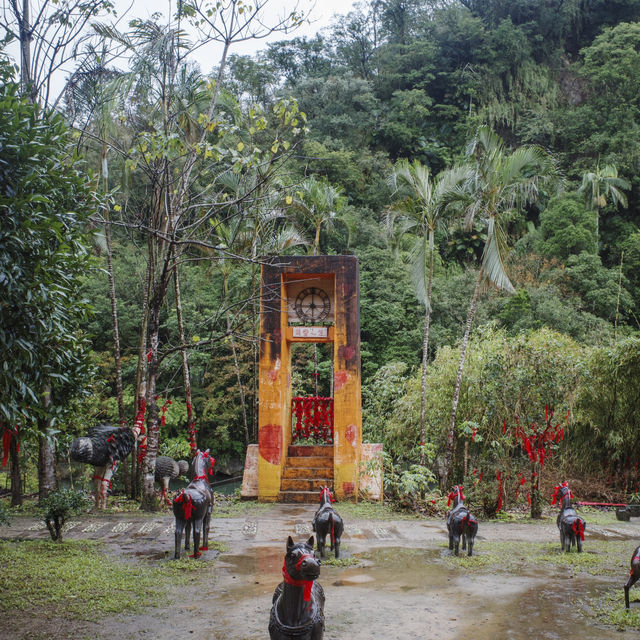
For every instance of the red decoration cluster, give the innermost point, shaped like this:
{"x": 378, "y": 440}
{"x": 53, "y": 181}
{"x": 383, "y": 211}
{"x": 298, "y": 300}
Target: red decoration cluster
{"x": 314, "y": 418}
{"x": 457, "y": 491}
{"x": 7, "y": 434}
{"x": 138, "y": 424}
{"x": 500, "y": 489}
{"x": 193, "y": 443}
{"x": 165, "y": 406}
{"x": 536, "y": 439}
{"x": 185, "y": 499}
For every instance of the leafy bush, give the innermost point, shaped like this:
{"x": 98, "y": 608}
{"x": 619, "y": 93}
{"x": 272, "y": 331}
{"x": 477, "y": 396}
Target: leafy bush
{"x": 4, "y": 514}
{"x": 60, "y": 505}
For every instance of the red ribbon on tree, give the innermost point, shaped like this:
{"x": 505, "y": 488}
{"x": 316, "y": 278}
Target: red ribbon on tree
{"x": 163, "y": 420}
{"x": 500, "y": 486}
{"x": 7, "y": 436}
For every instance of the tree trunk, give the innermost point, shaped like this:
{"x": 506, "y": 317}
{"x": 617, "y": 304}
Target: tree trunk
{"x": 425, "y": 353}
{"x": 239, "y": 378}
{"x": 149, "y": 501}
{"x": 256, "y": 347}
{"x": 116, "y": 340}
{"x": 448, "y": 455}
{"x": 16, "y": 481}
{"x": 140, "y": 388}
{"x": 24, "y": 25}
{"x": 46, "y": 453}
{"x": 536, "y": 508}
{"x": 193, "y": 442}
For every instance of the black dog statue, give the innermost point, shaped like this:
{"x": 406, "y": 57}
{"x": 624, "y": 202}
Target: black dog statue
{"x": 192, "y": 506}
{"x": 327, "y": 522}
{"x": 460, "y": 523}
{"x": 571, "y": 525}
{"x": 298, "y": 602}
{"x": 634, "y": 575}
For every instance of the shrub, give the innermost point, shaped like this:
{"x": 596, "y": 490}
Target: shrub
{"x": 59, "y": 506}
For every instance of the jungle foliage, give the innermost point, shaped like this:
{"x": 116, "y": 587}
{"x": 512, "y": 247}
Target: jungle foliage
{"x": 293, "y": 150}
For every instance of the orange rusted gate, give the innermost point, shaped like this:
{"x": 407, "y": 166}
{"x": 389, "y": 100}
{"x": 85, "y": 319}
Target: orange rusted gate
{"x": 309, "y": 299}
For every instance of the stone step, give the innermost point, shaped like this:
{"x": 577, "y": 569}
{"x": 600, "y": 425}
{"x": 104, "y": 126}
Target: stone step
{"x": 317, "y": 462}
{"x": 308, "y": 472}
{"x": 309, "y": 497}
{"x": 324, "y": 451}
{"x": 304, "y": 484}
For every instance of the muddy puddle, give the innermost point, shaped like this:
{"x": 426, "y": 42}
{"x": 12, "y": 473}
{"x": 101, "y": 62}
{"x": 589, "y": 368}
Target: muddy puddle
{"x": 399, "y": 593}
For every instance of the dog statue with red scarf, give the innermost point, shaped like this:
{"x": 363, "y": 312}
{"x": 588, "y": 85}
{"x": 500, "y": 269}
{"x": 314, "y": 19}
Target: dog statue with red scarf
{"x": 325, "y": 522}
{"x": 570, "y": 524}
{"x": 460, "y": 523}
{"x": 298, "y": 601}
{"x": 192, "y": 506}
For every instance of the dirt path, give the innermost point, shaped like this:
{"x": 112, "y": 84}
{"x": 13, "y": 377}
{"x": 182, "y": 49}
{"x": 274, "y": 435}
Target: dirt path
{"x": 404, "y": 586}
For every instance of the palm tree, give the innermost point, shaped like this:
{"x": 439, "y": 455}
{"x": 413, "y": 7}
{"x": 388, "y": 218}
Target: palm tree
{"x": 497, "y": 185}
{"x": 420, "y": 213}
{"x": 320, "y": 203}
{"x": 602, "y": 185}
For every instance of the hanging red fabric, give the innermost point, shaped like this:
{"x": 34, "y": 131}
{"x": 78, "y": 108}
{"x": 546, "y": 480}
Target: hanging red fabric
{"x": 7, "y": 434}
{"x": 185, "y": 499}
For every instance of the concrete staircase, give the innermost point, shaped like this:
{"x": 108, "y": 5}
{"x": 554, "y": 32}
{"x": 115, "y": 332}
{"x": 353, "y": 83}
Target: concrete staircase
{"x": 306, "y": 470}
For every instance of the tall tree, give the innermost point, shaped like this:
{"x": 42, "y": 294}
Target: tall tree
{"x": 46, "y": 201}
{"x": 319, "y": 204}
{"x": 186, "y": 133}
{"x": 602, "y": 185}
{"x": 420, "y": 213}
{"x": 51, "y": 35}
{"x": 497, "y": 185}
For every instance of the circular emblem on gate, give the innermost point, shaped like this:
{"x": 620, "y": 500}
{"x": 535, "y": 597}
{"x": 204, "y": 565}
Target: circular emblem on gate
{"x": 312, "y": 305}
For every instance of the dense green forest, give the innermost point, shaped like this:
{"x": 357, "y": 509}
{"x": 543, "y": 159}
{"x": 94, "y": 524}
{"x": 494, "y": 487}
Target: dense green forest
{"x": 479, "y": 157}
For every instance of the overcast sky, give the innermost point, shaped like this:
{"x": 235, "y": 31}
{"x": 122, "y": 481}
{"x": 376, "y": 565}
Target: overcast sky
{"x": 320, "y": 14}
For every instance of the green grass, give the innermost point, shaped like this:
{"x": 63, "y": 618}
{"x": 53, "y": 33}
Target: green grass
{"x": 371, "y": 510}
{"x": 599, "y": 557}
{"x": 78, "y": 578}
{"x": 599, "y": 517}
{"x": 609, "y": 608}
{"x": 332, "y": 561}
{"x": 231, "y": 506}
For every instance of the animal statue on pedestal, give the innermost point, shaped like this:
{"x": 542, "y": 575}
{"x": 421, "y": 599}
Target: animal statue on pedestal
{"x": 634, "y": 575}
{"x": 460, "y": 523}
{"x": 192, "y": 506}
{"x": 326, "y": 521}
{"x": 168, "y": 469}
{"x": 570, "y": 524}
{"x": 298, "y": 602}
{"x": 104, "y": 447}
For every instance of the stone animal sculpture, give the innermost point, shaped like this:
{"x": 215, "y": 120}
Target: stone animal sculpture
{"x": 103, "y": 448}
{"x": 570, "y": 524}
{"x": 192, "y": 506}
{"x": 634, "y": 575}
{"x": 298, "y": 602}
{"x": 460, "y": 523}
{"x": 326, "y": 521}
{"x": 168, "y": 469}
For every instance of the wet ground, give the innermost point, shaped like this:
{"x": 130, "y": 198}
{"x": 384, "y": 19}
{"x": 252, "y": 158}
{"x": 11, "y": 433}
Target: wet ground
{"x": 403, "y": 587}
